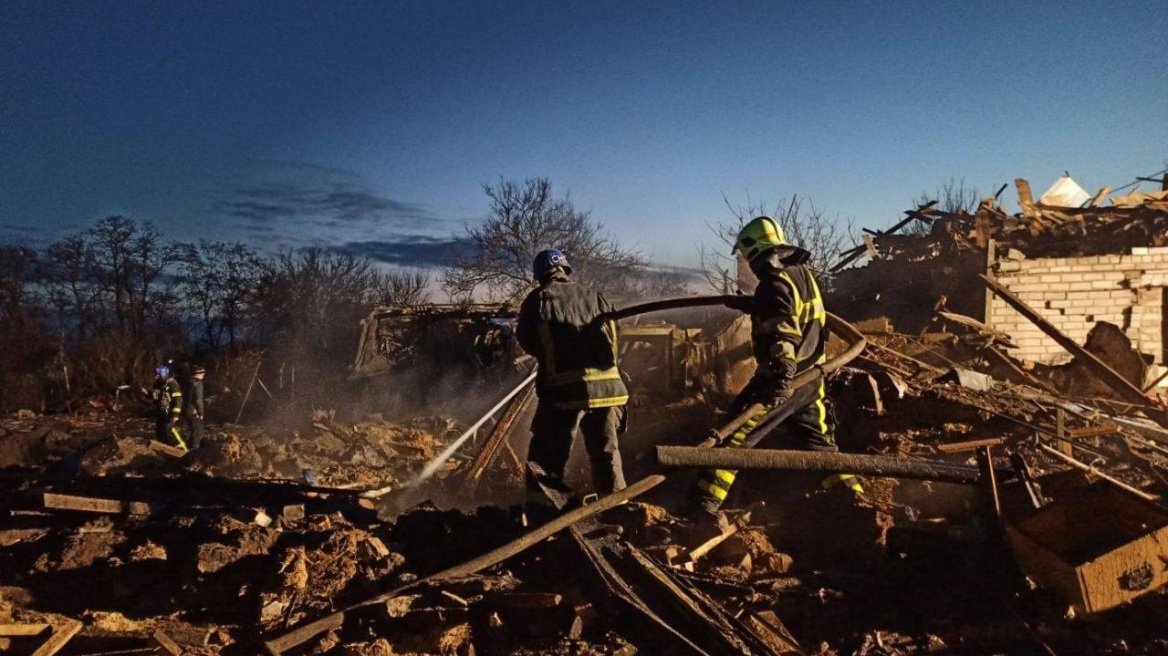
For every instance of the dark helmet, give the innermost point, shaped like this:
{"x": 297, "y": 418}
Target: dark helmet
{"x": 547, "y": 261}
{"x": 199, "y": 370}
{"x": 162, "y": 371}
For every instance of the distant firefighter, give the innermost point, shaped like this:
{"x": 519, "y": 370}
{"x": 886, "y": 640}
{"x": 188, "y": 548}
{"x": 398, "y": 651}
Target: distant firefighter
{"x": 166, "y": 400}
{"x": 196, "y": 406}
{"x": 578, "y": 384}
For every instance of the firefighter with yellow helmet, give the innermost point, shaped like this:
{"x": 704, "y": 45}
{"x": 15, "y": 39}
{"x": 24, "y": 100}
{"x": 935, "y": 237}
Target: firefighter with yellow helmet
{"x": 788, "y": 336}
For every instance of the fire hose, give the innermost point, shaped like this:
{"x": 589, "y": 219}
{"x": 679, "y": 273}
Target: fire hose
{"x": 805, "y": 384}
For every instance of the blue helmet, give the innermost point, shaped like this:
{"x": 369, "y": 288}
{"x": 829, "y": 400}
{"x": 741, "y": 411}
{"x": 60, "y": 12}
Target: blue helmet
{"x": 548, "y": 260}
{"x": 162, "y": 371}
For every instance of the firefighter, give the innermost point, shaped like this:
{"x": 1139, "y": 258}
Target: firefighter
{"x": 578, "y": 384}
{"x": 166, "y": 400}
{"x": 196, "y": 405}
{"x": 788, "y": 336}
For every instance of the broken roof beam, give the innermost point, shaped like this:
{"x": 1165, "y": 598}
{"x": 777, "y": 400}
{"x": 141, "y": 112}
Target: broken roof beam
{"x": 1025, "y": 198}
{"x": 854, "y": 254}
{"x": 1082, "y": 466}
{"x": 1122, "y": 386}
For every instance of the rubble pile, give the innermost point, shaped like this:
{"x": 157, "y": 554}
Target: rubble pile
{"x": 233, "y": 551}
{"x": 908, "y": 275}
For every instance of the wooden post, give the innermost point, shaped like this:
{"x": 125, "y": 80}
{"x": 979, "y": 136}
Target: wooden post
{"x": 254, "y": 376}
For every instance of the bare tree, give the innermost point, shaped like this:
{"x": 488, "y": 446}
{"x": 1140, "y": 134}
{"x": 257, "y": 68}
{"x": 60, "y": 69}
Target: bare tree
{"x": 71, "y": 288}
{"x": 17, "y": 272}
{"x": 525, "y": 219}
{"x": 952, "y": 197}
{"x": 311, "y": 299}
{"x": 219, "y": 281}
{"x": 128, "y": 263}
{"x": 807, "y": 227}
{"x": 402, "y": 287}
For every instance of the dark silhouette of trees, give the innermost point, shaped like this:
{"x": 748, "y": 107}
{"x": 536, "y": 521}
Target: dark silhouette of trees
{"x": 219, "y": 282}
{"x": 525, "y": 219}
{"x": 404, "y": 287}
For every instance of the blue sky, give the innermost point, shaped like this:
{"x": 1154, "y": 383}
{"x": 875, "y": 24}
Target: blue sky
{"x": 372, "y": 126}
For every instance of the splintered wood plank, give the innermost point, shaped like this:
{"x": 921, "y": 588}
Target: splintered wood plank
{"x": 169, "y": 450}
{"x": 61, "y": 636}
{"x": 1025, "y": 199}
{"x": 93, "y": 504}
{"x": 23, "y": 630}
{"x": 166, "y": 643}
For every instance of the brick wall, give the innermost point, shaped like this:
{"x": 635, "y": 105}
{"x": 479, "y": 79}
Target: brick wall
{"x": 1074, "y": 293}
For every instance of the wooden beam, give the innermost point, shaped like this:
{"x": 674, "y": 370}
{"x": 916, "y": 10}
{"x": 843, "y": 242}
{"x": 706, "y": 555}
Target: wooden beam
{"x": 93, "y": 504}
{"x": 61, "y": 636}
{"x": 23, "y": 630}
{"x": 169, "y": 450}
{"x": 1025, "y": 199}
{"x": 166, "y": 643}
{"x": 969, "y": 445}
{"x": 1124, "y": 388}
{"x": 872, "y": 252}
{"x": 1136, "y": 492}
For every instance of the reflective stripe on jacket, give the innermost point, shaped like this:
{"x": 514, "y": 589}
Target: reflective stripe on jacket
{"x": 789, "y": 319}
{"x": 577, "y": 359}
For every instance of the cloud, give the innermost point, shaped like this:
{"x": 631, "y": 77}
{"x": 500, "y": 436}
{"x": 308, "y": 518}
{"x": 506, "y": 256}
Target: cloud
{"x": 410, "y": 250}
{"x": 343, "y": 202}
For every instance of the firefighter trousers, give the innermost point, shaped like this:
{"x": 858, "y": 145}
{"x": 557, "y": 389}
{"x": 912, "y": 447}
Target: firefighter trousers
{"x": 554, "y": 429}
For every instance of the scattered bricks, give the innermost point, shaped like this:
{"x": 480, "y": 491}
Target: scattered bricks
{"x": 293, "y": 513}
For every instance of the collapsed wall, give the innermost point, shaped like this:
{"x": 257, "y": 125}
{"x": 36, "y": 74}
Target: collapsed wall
{"x": 1076, "y": 293}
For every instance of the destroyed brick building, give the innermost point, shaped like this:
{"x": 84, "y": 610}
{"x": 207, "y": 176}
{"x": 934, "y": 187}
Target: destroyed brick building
{"x": 1014, "y": 490}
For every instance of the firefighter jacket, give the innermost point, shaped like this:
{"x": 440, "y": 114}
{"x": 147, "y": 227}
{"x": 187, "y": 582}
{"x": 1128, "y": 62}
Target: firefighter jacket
{"x": 195, "y": 403}
{"x": 787, "y": 321}
{"x": 577, "y": 357}
{"x": 167, "y": 398}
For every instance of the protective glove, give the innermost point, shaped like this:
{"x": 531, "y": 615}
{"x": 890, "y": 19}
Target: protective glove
{"x": 779, "y": 397}
{"x": 779, "y": 374}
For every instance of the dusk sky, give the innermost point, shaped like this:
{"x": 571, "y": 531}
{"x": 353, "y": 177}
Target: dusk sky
{"x": 372, "y": 126}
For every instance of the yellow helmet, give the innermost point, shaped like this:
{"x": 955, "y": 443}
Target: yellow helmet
{"x": 759, "y": 236}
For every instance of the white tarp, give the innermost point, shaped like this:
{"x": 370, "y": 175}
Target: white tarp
{"x": 1065, "y": 192}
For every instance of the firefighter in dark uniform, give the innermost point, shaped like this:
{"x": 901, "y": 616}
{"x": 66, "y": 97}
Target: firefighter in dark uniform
{"x": 166, "y": 400}
{"x": 788, "y": 336}
{"x": 578, "y": 384}
{"x": 196, "y": 406}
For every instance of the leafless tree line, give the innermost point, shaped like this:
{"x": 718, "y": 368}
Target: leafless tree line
{"x": 98, "y": 308}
